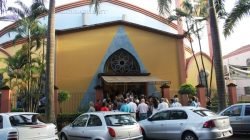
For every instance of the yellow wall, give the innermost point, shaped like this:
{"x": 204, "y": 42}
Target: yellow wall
{"x": 192, "y": 71}
{"x": 79, "y": 55}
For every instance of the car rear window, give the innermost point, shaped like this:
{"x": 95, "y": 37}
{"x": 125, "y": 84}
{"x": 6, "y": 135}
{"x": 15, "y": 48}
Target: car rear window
{"x": 24, "y": 119}
{"x": 119, "y": 119}
{"x": 204, "y": 113}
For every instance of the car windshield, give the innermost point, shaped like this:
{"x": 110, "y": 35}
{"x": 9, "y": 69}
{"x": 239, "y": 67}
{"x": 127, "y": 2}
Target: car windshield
{"x": 204, "y": 113}
{"x": 24, "y": 119}
{"x": 119, "y": 119}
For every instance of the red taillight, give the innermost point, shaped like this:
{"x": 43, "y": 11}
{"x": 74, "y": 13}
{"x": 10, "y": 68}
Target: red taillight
{"x": 209, "y": 124}
{"x": 111, "y": 132}
{"x": 12, "y": 136}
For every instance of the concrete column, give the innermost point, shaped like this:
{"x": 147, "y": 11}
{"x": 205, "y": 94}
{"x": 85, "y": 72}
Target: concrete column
{"x": 165, "y": 92}
{"x": 5, "y": 99}
{"x": 232, "y": 93}
{"x": 201, "y": 94}
{"x": 56, "y": 103}
{"x": 98, "y": 93}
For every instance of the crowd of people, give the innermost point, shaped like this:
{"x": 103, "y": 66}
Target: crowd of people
{"x": 140, "y": 108}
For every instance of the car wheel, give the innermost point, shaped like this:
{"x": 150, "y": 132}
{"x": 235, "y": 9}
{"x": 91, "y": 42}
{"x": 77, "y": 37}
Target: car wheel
{"x": 189, "y": 136}
{"x": 63, "y": 137}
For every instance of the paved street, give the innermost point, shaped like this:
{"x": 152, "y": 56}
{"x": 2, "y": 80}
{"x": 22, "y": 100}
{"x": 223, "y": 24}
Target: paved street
{"x": 239, "y": 137}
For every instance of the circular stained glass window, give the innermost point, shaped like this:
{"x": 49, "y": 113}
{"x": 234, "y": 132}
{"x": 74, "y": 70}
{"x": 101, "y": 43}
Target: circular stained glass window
{"x": 122, "y": 62}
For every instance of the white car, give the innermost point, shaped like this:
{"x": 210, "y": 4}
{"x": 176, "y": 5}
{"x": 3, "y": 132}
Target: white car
{"x": 239, "y": 115}
{"x": 103, "y": 126}
{"x": 25, "y": 126}
{"x": 186, "y": 123}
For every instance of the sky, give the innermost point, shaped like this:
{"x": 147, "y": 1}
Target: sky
{"x": 240, "y": 36}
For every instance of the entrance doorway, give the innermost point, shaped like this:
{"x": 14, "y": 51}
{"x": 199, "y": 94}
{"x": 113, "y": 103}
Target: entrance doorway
{"x": 134, "y": 89}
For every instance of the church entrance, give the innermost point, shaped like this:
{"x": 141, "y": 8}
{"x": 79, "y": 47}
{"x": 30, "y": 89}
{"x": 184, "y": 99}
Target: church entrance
{"x": 136, "y": 90}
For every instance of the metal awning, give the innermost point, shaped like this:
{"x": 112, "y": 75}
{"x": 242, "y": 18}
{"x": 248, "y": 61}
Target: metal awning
{"x": 133, "y": 79}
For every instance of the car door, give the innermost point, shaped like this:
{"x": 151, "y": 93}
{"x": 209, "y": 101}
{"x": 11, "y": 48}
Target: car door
{"x": 175, "y": 124}
{"x": 246, "y": 119}
{"x": 3, "y": 133}
{"x": 94, "y": 127}
{"x": 76, "y": 130}
{"x": 235, "y": 115}
{"x": 157, "y": 125}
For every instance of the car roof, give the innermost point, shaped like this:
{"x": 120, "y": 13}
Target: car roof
{"x": 241, "y": 104}
{"x": 187, "y": 108}
{"x": 18, "y": 113}
{"x": 104, "y": 113}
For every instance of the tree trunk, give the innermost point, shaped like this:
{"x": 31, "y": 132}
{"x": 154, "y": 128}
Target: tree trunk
{"x": 217, "y": 56}
{"x": 50, "y": 62}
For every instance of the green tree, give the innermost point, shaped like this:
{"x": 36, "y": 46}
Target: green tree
{"x": 30, "y": 29}
{"x": 241, "y": 9}
{"x": 187, "y": 89}
{"x": 216, "y": 8}
{"x": 62, "y": 97}
{"x": 190, "y": 13}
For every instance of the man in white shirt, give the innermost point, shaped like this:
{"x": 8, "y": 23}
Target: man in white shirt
{"x": 133, "y": 107}
{"x": 176, "y": 103}
{"x": 143, "y": 110}
{"x": 163, "y": 104}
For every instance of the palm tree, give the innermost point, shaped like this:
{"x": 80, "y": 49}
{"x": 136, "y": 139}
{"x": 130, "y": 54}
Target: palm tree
{"x": 241, "y": 9}
{"x": 50, "y": 64}
{"x": 217, "y": 57}
{"x": 29, "y": 28}
{"x": 2, "y": 6}
{"x": 186, "y": 13}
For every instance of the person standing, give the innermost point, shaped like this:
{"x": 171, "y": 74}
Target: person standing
{"x": 176, "y": 103}
{"x": 125, "y": 107}
{"x": 133, "y": 108}
{"x": 91, "y": 107}
{"x": 155, "y": 105}
{"x": 143, "y": 110}
{"x": 163, "y": 104}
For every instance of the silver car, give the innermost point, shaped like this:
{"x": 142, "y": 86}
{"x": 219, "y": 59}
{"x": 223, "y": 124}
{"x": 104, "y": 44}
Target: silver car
{"x": 186, "y": 123}
{"x": 103, "y": 126}
{"x": 239, "y": 115}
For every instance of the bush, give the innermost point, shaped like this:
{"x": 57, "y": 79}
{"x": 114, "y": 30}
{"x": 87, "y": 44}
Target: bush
{"x": 17, "y": 110}
{"x": 65, "y": 119}
{"x": 187, "y": 89}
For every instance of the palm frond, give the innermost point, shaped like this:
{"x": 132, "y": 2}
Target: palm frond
{"x": 187, "y": 6}
{"x": 2, "y": 6}
{"x": 220, "y": 8}
{"x": 96, "y": 4}
{"x": 23, "y": 7}
{"x": 181, "y": 13}
{"x": 241, "y": 9}
{"x": 17, "y": 11}
{"x": 173, "y": 18}
{"x": 11, "y": 18}
{"x": 164, "y": 6}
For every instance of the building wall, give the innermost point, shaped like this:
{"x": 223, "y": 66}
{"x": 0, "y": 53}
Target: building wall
{"x": 192, "y": 72}
{"x": 81, "y": 56}
{"x": 240, "y": 60}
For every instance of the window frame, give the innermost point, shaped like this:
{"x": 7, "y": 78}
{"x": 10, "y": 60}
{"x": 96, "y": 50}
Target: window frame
{"x": 80, "y": 117}
{"x": 91, "y": 117}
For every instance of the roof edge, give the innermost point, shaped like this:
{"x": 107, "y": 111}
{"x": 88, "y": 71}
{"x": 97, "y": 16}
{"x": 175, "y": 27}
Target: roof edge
{"x": 86, "y": 2}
